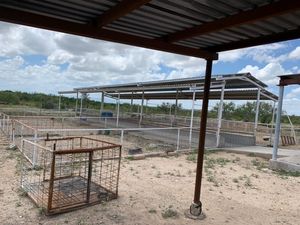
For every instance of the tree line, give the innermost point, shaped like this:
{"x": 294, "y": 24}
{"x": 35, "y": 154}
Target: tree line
{"x": 231, "y": 111}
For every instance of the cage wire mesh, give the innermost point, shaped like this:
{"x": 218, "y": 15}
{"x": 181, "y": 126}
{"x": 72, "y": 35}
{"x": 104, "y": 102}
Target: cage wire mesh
{"x": 63, "y": 174}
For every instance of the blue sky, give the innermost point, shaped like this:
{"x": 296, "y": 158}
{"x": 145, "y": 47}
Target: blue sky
{"x": 36, "y": 60}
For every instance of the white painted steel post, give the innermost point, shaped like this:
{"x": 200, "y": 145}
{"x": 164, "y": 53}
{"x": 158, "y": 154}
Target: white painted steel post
{"x": 220, "y": 113}
{"x": 192, "y": 118}
{"x": 176, "y": 106}
{"x": 102, "y": 103}
{"x": 80, "y": 112}
{"x": 76, "y": 104}
{"x": 257, "y": 111}
{"x": 278, "y": 119}
{"x": 118, "y": 109}
{"x": 21, "y": 135}
{"x": 131, "y": 102}
{"x": 59, "y": 102}
{"x": 13, "y": 132}
{"x": 122, "y": 136}
{"x": 34, "y": 156}
{"x": 272, "y": 122}
{"x": 178, "y": 139}
{"x": 141, "y": 113}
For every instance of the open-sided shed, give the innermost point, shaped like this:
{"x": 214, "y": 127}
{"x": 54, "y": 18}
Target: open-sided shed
{"x": 196, "y": 28}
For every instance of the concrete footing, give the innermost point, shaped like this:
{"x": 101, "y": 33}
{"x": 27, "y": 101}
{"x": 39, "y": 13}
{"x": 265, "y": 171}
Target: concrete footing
{"x": 291, "y": 164}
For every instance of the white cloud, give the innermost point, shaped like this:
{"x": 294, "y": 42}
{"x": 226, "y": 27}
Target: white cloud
{"x": 264, "y": 53}
{"x": 268, "y": 73}
{"x": 295, "y": 93}
{"x": 295, "y": 54}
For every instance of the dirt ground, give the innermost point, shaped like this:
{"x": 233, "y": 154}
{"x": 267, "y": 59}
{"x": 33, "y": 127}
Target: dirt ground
{"x": 237, "y": 189}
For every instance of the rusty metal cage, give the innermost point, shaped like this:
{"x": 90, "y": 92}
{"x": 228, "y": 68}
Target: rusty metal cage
{"x": 63, "y": 174}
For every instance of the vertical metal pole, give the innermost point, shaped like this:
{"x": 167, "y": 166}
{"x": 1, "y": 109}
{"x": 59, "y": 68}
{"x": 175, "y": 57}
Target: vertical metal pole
{"x": 51, "y": 181}
{"x": 118, "y": 109}
{"x": 176, "y": 105}
{"x": 220, "y": 113}
{"x": 272, "y": 122}
{"x": 201, "y": 145}
{"x": 81, "y": 100}
{"x": 76, "y": 104}
{"x": 192, "y": 119}
{"x": 178, "y": 139}
{"x": 88, "y": 188}
{"x": 141, "y": 113}
{"x": 59, "y": 102}
{"x": 278, "y": 119}
{"x": 122, "y": 136}
{"x": 34, "y": 156}
{"x": 102, "y": 103}
{"x": 257, "y": 111}
{"x": 131, "y": 102}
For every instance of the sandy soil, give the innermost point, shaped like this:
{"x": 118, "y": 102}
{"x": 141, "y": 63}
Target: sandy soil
{"x": 237, "y": 189}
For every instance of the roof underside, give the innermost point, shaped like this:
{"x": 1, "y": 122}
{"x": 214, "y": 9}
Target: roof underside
{"x": 249, "y": 94}
{"x": 197, "y": 28}
{"x": 238, "y": 87}
{"x": 289, "y": 79}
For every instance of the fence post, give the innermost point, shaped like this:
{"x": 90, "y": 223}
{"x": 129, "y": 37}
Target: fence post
{"x": 34, "y": 156}
{"x": 13, "y": 135}
{"x": 11, "y": 131}
{"x": 22, "y": 145}
{"x": 122, "y": 136}
{"x": 178, "y": 139}
{"x": 21, "y": 134}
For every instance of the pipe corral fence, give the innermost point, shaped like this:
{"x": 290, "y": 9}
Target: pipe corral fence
{"x": 156, "y": 132}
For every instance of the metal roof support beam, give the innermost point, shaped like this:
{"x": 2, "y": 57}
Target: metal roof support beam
{"x": 267, "y": 39}
{"x": 289, "y": 80}
{"x": 44, "y": 22}
{"x": 278, "y": 119}
{"x": 273, "y": 9}
{"x": 268, "y": 96}
{"x": 121, "y": 9}
{"x": 196, "y": 207}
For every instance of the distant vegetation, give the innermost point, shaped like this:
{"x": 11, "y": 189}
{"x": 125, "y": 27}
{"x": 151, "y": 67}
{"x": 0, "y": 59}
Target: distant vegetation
{"x": 231, "y": 111}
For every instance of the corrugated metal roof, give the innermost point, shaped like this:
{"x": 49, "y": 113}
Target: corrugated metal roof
{"x": 240, "y": 86}
{"x": 162, "y": 19}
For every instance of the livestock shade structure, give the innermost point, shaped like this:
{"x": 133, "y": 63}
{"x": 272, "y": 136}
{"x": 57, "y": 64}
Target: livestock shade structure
{"x": 68, "y": 173}
{"x": 198, "y": 28}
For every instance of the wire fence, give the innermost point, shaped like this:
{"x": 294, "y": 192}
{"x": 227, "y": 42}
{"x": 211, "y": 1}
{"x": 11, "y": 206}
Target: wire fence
{"x": 67, "y": 173}
{"x": 131, "y": 135}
